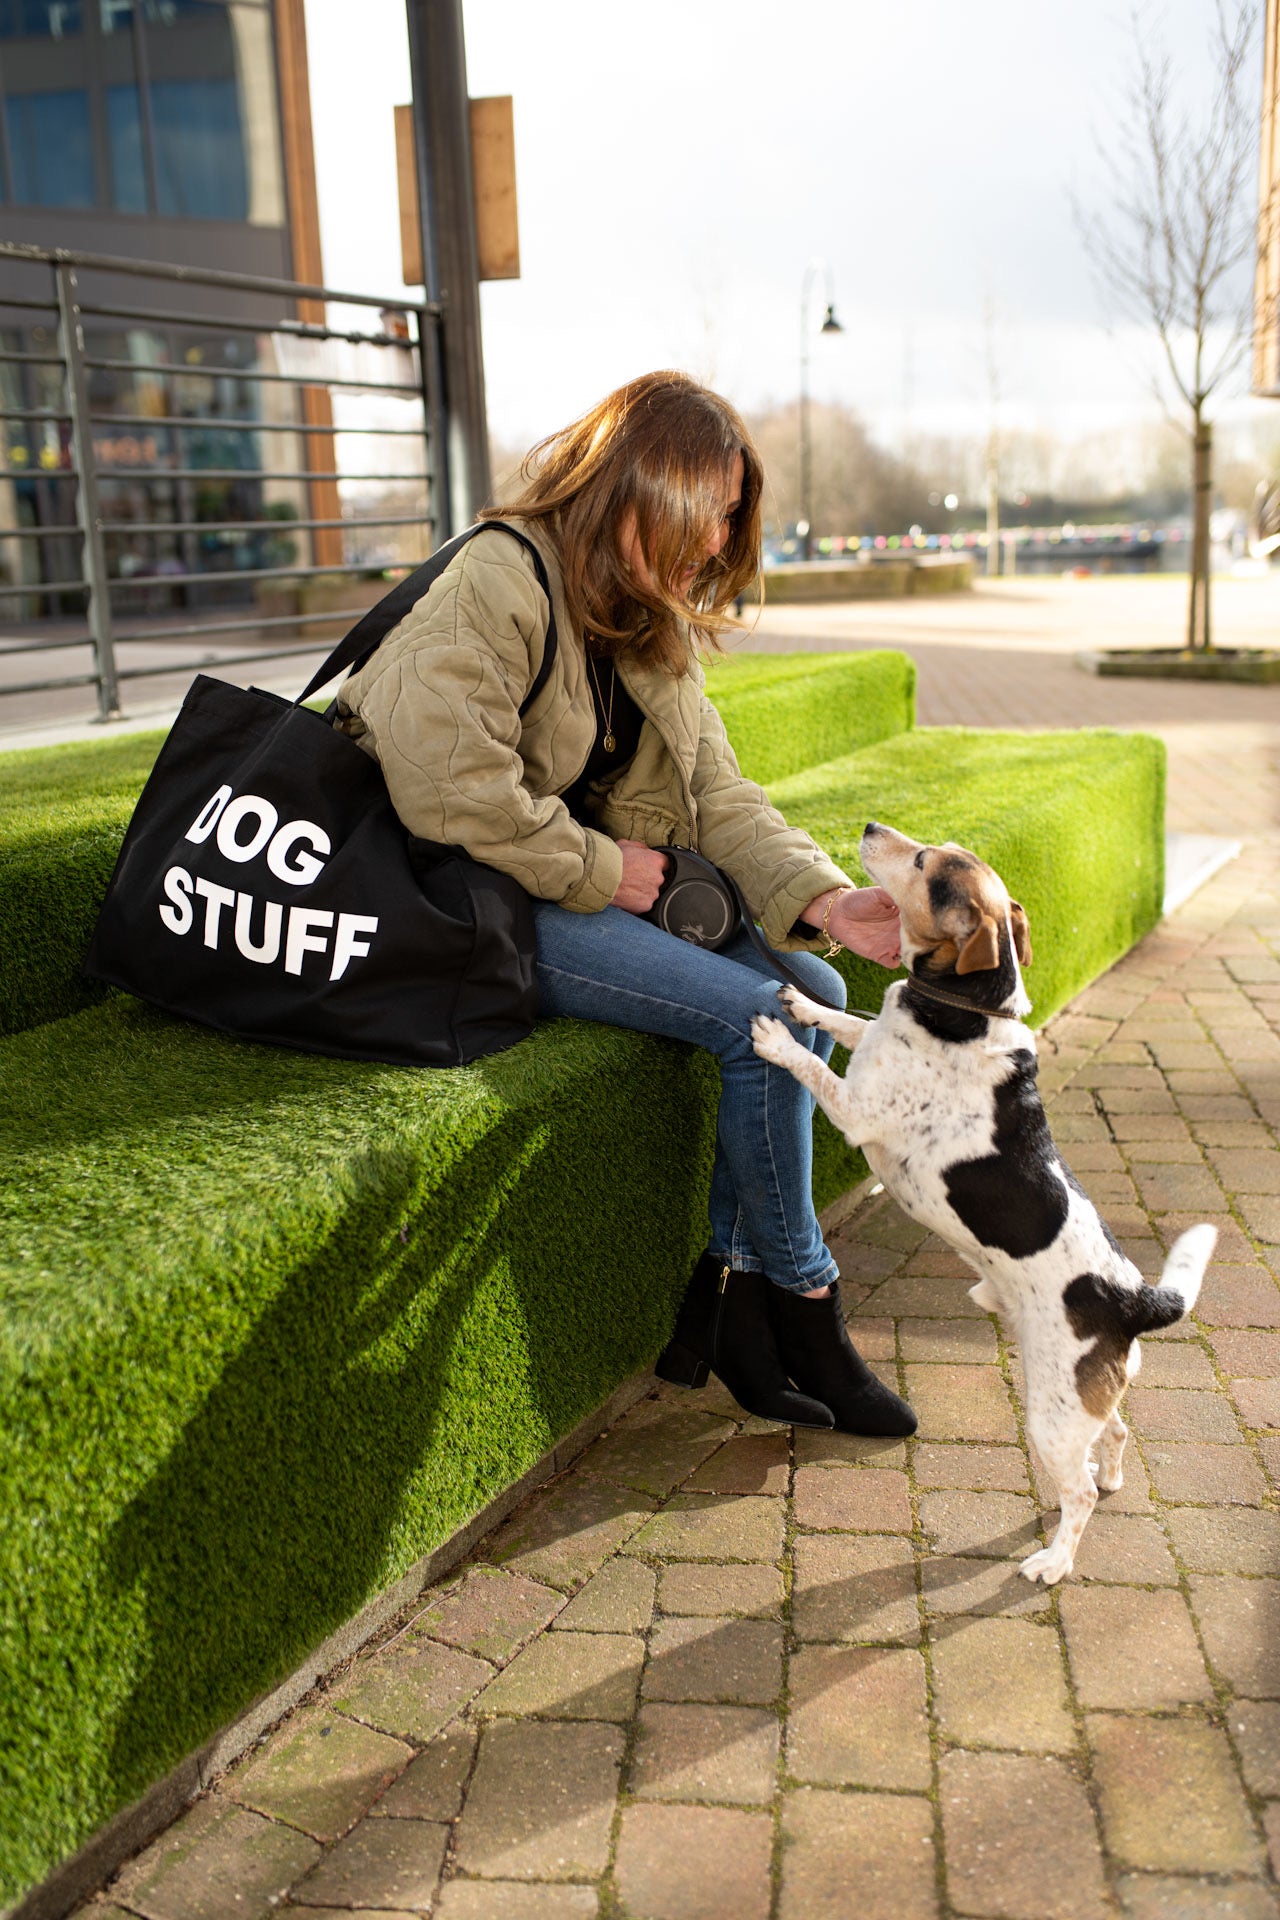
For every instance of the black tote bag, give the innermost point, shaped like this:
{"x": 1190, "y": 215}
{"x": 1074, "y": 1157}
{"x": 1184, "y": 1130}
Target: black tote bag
{"x": 266, "y": 886}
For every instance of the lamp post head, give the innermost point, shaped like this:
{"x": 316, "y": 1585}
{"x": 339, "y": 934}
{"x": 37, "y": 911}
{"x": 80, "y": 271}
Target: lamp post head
{"x": 831, "y": 324}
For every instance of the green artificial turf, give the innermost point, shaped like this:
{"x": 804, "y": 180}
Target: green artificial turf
{"x": 1073, "y": 822}
{"x": 272, "y": 1327}
{"x": 786, "y": 711}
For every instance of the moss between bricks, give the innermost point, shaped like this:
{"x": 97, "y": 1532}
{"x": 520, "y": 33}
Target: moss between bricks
{"x": 272, "y": 1326}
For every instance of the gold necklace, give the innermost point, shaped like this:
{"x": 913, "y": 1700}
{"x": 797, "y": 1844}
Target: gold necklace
{"x": 609, "y": 741}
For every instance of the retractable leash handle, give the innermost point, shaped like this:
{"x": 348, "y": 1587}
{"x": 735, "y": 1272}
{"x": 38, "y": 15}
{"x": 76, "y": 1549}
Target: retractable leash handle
{"x": 362, "y": 642}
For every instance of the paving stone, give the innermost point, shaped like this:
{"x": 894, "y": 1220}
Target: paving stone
{"x": 489, "y": 1612}
{"x": 510, "y": 1900}
{"x": 1247, "y": 1354}
{"x": 861, "y": 1499}
{"x": 411, "y": 1689}
{"x": 1269, "y": 1450}
{"x": 876, "y": 1339}
{"x": 869, "y": 1854}
{"x": 1234, "y": 1295}
{"x": 1166, "y": 1187}
{"x": 557, "y": 1826}
{"x": 382, "y": 1863}
{"x": 1020, "y": 1839}
{"x": 1200, "y": 1472}
{"x": 1258, "y": 1401}
{"x": 981, "y": 1469}
{"x": 1261, "y": 1212}
{"x": 1171, "y": 1413}
{"x": 1134, "y": 1128}
{"x": 218, "y": 1859}
{"x": 857, "y": 1718}
{"x": 1255, "y": 1728}
{"x": 824, "y": 1447}
{"x": 730, "y": 1660}
{"x": 1240, "y": 1621}
{"x": 984, "y": 1587}
{"x": 695, "y": 1863}
{"x": 654, "y": 1447}
{"x": 708, "y": 1526}
{"x": 1159, "y": 1897}
{"x": 936, "y": 1261}
{"x": 323, "y": 1913}
{"x": 1178, "y": 1150}
{"x": 1130, "y": 1648}
{"x": 920, "y": 1297}
{"x": 1226, "y": 1540}
{"x": 568, "y": 1530}
{"x": 570, "y": 1676}
{"x": 319, "y": 1771}
{"x": 1247, "y": 1170}
{"x": 751, "y": 1463}
{"x": 1026, "y": 1708}
{"x": 1169, "y": 1795}
{"x": 1125, "y": 1549}
{"x": 855, "y": 1589}
{"x": 961, "y": 1403}
{"x": 430, "y": 1788}
{"x": 727, "y": 1754}
{"x": 886, "y": 1225}
{"x": 1172, "y": 1363}
{"x": 692, "y": 1587}
{"x": 995, "y": 1526}
{"x": 618, "y": 1599}
{"x": 962, "y": 1342}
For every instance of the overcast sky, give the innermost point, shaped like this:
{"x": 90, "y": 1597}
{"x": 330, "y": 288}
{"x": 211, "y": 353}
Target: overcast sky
{"x": 679, "y": 165}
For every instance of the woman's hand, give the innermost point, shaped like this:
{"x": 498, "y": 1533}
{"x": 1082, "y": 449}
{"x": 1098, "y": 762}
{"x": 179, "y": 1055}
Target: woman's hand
{"x": 643, "y": 872}
{"x": 864, "y": 919}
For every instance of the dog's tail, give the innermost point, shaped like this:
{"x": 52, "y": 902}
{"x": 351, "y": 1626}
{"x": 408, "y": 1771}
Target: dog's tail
{"x": 1178, "y": 1287}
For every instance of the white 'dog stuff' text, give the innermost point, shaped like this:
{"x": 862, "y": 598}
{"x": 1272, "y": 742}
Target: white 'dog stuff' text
{"x": 246, "y": 827}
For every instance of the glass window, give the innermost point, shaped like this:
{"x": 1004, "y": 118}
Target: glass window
{"x": 200, "y": 157}
{"x": 124, "y": 138}
{"x": 50, "y": 147}
{"x": 39, "y": 19}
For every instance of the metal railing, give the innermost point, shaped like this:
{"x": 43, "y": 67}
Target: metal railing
{"x": 118, "y": 503}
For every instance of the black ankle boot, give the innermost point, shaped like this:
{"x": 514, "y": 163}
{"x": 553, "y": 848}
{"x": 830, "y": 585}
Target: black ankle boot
{"x": 816, "y": 1351}
{"x": 723, "y": 1327}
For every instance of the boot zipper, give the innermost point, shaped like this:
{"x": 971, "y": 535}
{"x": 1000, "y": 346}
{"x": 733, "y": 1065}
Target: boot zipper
{"x": 718, "y": 1315}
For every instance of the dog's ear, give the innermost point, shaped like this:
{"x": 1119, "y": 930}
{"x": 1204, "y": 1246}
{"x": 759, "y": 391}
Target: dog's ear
{"x": 981, "y": 951}
{"x": 1021, "y": 933}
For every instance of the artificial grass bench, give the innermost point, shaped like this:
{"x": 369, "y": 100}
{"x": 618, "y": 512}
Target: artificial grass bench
{"x": 275, "y": 1326}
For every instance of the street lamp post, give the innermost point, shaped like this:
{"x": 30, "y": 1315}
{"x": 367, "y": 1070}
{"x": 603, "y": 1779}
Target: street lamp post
{"x": 829, "y": 325}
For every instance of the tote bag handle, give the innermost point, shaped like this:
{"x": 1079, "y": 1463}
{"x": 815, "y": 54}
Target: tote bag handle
{"x": 372, "y": 629}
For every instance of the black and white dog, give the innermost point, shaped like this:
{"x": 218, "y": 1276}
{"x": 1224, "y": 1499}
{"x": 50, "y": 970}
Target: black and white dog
{"x": 940, "y": 1093}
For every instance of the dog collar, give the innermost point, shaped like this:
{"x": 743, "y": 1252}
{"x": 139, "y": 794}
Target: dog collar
{"x": 930, "y": 992}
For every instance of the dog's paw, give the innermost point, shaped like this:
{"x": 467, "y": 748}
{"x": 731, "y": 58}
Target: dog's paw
{"x": 771, "y": 1040}
{"x": 799, "y": 1010}
{"x": 981, "y": 1294}
{"x": 1108, "y": 1483}
{"x": 1047, "y": 1567}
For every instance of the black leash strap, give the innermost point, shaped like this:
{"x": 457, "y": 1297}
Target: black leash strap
{"x": 766, "y": 952}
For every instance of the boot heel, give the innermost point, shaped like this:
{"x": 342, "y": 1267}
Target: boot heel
{"x": 681, "y": 1366}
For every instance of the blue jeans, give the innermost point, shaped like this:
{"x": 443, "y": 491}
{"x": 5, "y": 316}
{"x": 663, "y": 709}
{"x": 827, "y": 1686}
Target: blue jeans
{"x": 625, "y": 972}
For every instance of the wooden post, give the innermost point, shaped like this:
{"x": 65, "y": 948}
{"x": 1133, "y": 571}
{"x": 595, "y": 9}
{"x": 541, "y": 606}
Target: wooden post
{"x": 319, "y": 453}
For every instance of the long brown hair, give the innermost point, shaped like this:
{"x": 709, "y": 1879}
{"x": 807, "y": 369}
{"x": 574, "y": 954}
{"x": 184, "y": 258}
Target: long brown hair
{"x": 657, "y": 455}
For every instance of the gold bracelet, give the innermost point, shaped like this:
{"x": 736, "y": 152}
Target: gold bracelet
{"x": 833, "y": 946}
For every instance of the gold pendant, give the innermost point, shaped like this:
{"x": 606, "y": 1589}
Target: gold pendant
{"x": 609, "y": 743}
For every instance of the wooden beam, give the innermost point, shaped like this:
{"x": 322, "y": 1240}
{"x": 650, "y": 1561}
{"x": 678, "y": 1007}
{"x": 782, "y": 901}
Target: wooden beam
{"x": 410, "y": 216}
{"x": 493, "y": 167}
{"x": 1266, "y": 290}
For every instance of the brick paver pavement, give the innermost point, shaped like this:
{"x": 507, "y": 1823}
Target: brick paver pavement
{"x": 719, "y": 1672}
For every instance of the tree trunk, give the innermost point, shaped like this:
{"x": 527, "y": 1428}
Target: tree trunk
{"x": 1199, "y": 633}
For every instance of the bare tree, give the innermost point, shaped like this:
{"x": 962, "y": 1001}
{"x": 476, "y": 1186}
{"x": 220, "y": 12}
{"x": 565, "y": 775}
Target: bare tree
{"x": 1170, "y": 250}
